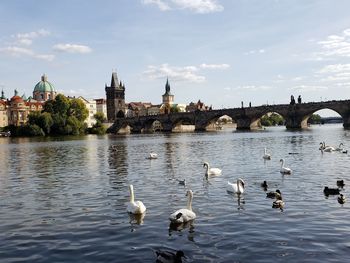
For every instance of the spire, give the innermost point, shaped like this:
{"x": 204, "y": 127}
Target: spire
{"x": 2, "y": 95}
{"x": 167, "y": 87}
{"x": 16, "y": 92}
{"x": 114, "y": 81}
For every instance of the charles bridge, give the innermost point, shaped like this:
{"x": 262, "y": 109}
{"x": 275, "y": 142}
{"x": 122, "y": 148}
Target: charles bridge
{"x": 246, "y": 118}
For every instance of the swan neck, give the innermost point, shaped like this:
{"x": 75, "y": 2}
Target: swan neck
{"x": 132, "y": 197}
{"x": 189, "y": 201}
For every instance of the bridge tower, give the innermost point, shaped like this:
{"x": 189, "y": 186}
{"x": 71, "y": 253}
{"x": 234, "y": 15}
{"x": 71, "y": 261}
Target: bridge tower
{"x": 168, "y": 98}
{"x": 115, "y": 96}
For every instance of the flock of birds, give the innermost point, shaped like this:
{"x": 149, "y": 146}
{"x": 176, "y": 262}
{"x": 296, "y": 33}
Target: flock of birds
{"x": 186, "y": 214}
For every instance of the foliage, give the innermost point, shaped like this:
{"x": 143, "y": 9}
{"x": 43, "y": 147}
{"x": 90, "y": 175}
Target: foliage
{"x": 272, "y": 120}
{"x": 314, "y": 119}
{"x": 98, "y": 127}
{"x": 61, "y": 116}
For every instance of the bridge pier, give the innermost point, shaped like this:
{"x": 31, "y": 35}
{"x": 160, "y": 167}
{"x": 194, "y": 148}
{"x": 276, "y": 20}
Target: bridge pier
{"x": 243, "y": 123}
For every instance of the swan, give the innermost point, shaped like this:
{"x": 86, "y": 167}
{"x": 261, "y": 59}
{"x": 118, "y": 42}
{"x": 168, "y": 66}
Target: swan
{"x": 273, "y": 194}
{"x": 236, "y": 188}
{"x": 341, "y": 199}
{"x": 184, "y": 215}
{"x": 211, "y": 171}
{"x": 327, "y": 148}
{"x": 152, "y": 156}
{"x": 330, "y": 191}
{"x": 266, "y": 156}
{"x": 135, "y": 207}
{"x": 167, "y": 256}
{"x": 285, "y": 170}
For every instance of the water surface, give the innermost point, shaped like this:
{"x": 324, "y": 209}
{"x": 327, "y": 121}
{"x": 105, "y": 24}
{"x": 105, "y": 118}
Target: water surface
{"x": 63, "y": 199}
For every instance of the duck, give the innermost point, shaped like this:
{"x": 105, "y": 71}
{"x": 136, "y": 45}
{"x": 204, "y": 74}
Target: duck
{"x": 182, "y": 181}
{"x": 341, "y": 199}
{"x": 340, "y": 183}
{"x": 152, "y": 155}
{"x": 167, "y": 256}
{"x": 330, "y": 191}
{"x": 273, "y": 194}
{"x": 284, "y": 170}
{"x": 133, "y": 207}
{"x": 340, "y": 147}
{"x": 211, "y": 171}
{"x": 184, "y": 215}
{"x": 279, "y": 203}
{"x": 266, "y": 156}
{"x": 236, "y": 188}
{"x": 264, "y": 184}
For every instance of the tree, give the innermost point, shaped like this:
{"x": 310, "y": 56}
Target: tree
{"x": 272, "y": 120}
{"x": 78, "y": 109}
{"x": 314, "y": 119}
{"x": 98, "y": 127}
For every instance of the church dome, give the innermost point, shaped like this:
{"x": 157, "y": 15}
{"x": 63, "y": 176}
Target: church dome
{"x": 44, "y": 85}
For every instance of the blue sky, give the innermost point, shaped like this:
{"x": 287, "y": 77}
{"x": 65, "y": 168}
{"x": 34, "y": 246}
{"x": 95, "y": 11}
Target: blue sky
{"x": 219, "y": 51}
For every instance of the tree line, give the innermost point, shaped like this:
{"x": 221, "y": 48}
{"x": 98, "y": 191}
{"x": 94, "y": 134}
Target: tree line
{"x": 61, "y": 116}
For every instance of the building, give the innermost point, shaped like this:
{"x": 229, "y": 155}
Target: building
{"x": 44, "y": 90}
{"x": 115, "y": 94}
{"x": 168, "y": 99}
{"x": 18, "y": 109}
{"x": 91, "y": 107}
{"x": 101, "y": 106}
{"x": 197, "y": 106}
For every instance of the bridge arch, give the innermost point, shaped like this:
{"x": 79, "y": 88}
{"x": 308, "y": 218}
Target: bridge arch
{"x": 308, "y": 116}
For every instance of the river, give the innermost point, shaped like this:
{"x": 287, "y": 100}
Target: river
{"x": 64, "y": 199}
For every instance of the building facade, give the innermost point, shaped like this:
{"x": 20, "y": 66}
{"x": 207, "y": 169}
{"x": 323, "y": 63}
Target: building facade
{"x": 91, "y": 107}
{"x": 115, "y": 97}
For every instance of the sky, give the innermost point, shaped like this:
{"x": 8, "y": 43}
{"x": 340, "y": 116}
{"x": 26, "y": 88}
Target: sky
{"x": 221, "y": 52}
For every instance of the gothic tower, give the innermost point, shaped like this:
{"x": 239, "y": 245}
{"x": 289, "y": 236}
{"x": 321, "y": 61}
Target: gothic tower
{"x": 168, "y": 98}
{"x": 115, "y": 96}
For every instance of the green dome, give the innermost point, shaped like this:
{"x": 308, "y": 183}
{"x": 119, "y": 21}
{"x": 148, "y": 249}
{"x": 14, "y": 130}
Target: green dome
{"x": 44, "y": 85}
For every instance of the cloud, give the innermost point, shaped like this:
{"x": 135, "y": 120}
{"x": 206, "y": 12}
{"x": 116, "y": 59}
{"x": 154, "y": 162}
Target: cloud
{"x": 335, "y": 45}
{"x": 159, "y": 3}
{"x": 72, "y": 48}
{"x": 20, "y": 52}
{"x": 306, "y": 88}
{"x": 336, "y": 68}
{"x": 255, "y": 51}
{"x": 188, "y": 73}
{"x": 253, "y": 88}
{"x": 196, "y": 6}
{"x": 26, "y": 39}
{"x": 214, "y": 66}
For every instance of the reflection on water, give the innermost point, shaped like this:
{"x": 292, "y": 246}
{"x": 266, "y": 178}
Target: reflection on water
{"x": 65, "y": 198}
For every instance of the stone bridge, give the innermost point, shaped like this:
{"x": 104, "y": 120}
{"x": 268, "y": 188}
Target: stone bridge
{"x": 246, "y": 118}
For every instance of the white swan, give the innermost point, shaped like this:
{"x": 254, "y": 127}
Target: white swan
{"x": 184, "y": 215}
{"x": 211, "y": 171}
{"x": 285, "y": 170}
{"x": 326, "y": 148}
{"x": 266, "y": 156}
{"x": 152, "y": 156}
{"x": 237, "y": 188}
{"x": 135, "y": 207}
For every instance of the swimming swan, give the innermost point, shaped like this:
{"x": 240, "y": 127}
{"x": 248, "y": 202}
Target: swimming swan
{"x": 184, "y": 215}
{"x": 211, "y": 171}
{"x": 237, "y": 188}
{"x": 135, "y": 207}
{"x": 285, "y": 170}
{"x": 326, "y": 148}
{"x": 266, "y": 156}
